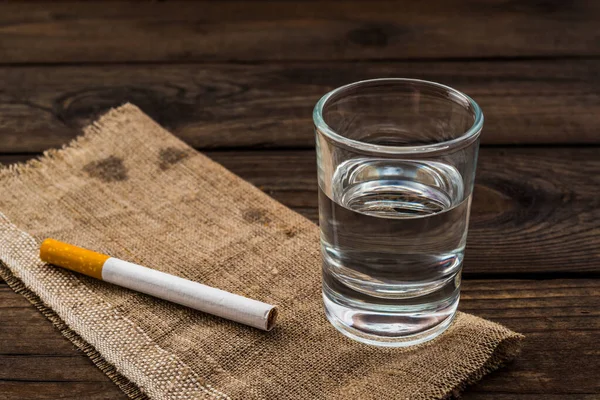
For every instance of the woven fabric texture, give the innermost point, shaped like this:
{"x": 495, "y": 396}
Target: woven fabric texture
{"x": 130, "y": 189}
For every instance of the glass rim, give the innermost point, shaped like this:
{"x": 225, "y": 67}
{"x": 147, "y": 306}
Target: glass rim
{"x": 465, "y": 138}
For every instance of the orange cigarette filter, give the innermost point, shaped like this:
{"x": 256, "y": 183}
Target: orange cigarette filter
{"x": 72, "y": 257}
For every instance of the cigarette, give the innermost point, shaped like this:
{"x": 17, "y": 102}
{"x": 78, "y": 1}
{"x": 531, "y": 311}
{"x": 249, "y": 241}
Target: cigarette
{"x": 159, "y": 284}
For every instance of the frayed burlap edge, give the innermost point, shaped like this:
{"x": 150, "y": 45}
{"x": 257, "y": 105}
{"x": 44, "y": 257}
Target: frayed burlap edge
{"x": 128, "y": 387}
{"x": 506, "y": 351}
{"x": 88, "y": 133}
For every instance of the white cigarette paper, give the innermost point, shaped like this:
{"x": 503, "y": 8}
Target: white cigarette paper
{"x": 192, "y": 294}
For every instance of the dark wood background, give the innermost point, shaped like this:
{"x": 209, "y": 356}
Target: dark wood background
{"x": 238, "y": 80}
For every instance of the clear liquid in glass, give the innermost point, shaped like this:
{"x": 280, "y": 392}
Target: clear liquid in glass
{"x": 393, "y": 234}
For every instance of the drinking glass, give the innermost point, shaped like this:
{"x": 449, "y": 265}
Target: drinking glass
{"x": 396, "y": 162}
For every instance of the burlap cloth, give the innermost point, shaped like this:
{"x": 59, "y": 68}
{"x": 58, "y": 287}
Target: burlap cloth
{"x": 130, "y": 189}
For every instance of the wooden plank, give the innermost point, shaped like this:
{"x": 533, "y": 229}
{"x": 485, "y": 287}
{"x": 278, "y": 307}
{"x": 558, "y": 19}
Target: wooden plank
{"x": 560, "y": 318}
{"x": 15, "y": 390}
{"x": 34, "y": 368}
{"x": 471, "y": 395}
{"x": 55, "y": 32}
{"x": 534, "y": 211}
{"x": 561, "y": 322}
{"x": 212, "y": 106}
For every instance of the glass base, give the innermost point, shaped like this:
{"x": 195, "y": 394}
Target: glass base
{"x": 389, "y": 329}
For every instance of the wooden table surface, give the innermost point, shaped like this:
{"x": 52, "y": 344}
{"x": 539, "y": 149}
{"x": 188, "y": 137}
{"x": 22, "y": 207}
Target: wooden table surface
{"x": 238, "y": 80}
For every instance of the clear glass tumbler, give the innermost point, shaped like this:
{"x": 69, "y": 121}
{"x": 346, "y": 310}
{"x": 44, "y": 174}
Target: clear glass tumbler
{"x": 396, "y": 163}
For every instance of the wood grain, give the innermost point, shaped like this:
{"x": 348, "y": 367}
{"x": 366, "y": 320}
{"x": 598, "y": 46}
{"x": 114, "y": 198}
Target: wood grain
{"x": 229, "y": 76}
{"x": 534, "y": 211}
{"x": 215, "y": 106}
{"x": 55, "y": 32}
{"x": 560, "y": 318}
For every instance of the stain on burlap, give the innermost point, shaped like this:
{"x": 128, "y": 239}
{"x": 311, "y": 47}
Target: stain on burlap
{"x": 170, "y": 156}
{"x": 110, "y": 169}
